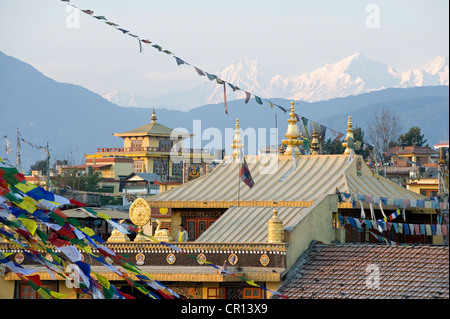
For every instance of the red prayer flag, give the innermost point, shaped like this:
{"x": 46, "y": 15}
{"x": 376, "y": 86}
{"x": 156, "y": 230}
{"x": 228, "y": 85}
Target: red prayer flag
{"x": 76, "y": 203}
{"x": 225, "y": 97}
{"x": 35, "y": 279}
{"x": 247, "y": 96}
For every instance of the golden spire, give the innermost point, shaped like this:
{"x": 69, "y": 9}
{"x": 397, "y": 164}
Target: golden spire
{"x": 349, "y": 139}
{"x": 237, "y": 141}
{"x": 153, "y": 117}
{"x": 314, "y": 144}
{"x": 292, "y": 134}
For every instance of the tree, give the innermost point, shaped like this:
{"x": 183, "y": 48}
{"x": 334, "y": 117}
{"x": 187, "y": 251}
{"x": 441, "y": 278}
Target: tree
{"x": 358, "y": 135}
{"x": 40, "y": 166}
{"x": 384, "y": 128}
{"x": 333, "y": 147}
{"x": 412, "y": 137}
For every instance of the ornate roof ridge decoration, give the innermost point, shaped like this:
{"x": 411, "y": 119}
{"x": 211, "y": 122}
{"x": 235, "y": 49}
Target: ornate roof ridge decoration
{"x": 227, "y": 204}
{"x": 153, "y": 119}
{"x": 315, "y": 144}
{"x": 140, "y": 214}
{"x": 349, "y": 139}
{"x": 237, "y": 146}
{"x": 292, "y": 134}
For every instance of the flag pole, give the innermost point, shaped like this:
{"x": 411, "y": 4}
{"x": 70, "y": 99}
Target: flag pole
{"x": 239, "y": 184}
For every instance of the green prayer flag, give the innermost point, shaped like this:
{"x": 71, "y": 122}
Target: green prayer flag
{"x": 258, "y": 100}
{"x": 60, "y": 221}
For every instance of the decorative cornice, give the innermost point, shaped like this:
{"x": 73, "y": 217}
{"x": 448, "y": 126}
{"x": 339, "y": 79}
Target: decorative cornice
{"x": 227, "y": 204}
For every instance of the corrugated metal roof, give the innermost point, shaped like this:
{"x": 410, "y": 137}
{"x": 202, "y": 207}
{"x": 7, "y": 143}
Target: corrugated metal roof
{"x": 249, "y": 224}
{"x": 314, "y": 176}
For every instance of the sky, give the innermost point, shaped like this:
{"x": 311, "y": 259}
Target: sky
{"x": 288, "y": 37}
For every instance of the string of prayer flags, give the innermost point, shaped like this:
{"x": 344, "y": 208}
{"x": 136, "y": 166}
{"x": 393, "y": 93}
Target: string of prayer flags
{"x": 19, "y": 200}
{"x": 431, "y": 202}
{"x": 70, "y": 239}
{"x": 168, "y": 52}
{"x": 399, "y": 228}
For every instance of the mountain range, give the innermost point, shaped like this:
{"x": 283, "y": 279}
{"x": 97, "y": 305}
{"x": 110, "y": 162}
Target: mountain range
{"x": 352, "y": 75}
{"x": 76, "y": 121}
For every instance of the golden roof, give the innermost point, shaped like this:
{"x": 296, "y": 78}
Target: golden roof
{"x": 153, "y": 129}
{"x": 313, "y": 176}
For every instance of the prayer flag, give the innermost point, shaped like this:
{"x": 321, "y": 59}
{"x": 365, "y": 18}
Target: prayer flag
{"x": 157, "y": 47}
{"x": 29, "y": 224}
{"x": 244, "y": 174}
{"x": 211, "y": 76}
{"x": 200, "y": 72}
{"x": 225, "y": 98}
{"x": 258, "y": 100}
{"x": 72, "y": 253}
{"x": 179, "y": 61}
{"x": 247, "y": 97}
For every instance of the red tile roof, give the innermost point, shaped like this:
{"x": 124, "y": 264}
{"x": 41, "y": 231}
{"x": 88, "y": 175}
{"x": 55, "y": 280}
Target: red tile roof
{"x": 347, "y": 270}
{"x": 412, "y": 150}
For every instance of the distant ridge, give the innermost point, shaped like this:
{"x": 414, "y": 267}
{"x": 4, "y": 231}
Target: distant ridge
{"x": 75, "y": 121}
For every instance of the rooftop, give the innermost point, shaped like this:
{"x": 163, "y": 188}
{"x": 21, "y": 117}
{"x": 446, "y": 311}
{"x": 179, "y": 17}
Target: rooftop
{"x": 152, "y": 129}
{"x": 369, "y": 271}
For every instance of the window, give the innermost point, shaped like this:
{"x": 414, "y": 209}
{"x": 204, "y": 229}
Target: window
{"x": 429, "y": 192}
{"x": 26, "y": 292}
{"x": 137, "y": 166}
{"x": 165, "y": 145}
{"x": 197, "y": 226}
{"x": 216, "y": 293}
{"x": 177, "y": 169}
{"x": 160, "y": 167}
{"x": 252, "y": 293}
{"x": 136, "y": 145}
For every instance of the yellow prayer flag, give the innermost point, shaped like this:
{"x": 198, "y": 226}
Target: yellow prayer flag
{"x": 29, "y": 224}
{"x": 57, "y": 295}
{"x": 104, "y": 216}
{"x": 252, "y": 283}
{"x": 28, "y": 204}
{"x": 43, "y": 293}
{"x": 25, "y": 187}
{"x": 87, "y": 231}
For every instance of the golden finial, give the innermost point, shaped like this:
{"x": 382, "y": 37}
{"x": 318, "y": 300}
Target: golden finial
{"x": 153, "y": 117}
{"x": 314, "y": 144}
{"x": 237, "y": 141}
{"x": 349, "y": 139}
{"x": 292, "y": 134}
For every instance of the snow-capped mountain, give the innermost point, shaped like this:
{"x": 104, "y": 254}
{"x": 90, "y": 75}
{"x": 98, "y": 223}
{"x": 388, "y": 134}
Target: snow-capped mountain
{"x": 351, "y": 75}
{"x": 126, "y": 99}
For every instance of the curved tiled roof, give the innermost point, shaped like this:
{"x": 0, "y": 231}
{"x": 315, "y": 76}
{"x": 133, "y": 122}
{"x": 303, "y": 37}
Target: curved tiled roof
{"x": 369, "y": 271}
